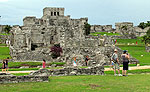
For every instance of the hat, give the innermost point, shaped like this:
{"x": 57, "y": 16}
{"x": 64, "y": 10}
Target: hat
{"x": 124, "y": 51}
{"x": 115, "y": 50}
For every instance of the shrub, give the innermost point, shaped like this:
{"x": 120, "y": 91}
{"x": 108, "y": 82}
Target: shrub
{"x": 56, "y": 51}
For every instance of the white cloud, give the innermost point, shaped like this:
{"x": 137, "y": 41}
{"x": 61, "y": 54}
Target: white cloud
{"x": 3, "y": 0}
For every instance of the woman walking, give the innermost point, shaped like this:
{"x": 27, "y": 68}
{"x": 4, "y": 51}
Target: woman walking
{"x": 125, "y": 58}
{"x": 44, "y": 63}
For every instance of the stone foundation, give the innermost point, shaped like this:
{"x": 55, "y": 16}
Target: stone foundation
{"x": 7, "y": 78}
{"x": 97, "y": 70}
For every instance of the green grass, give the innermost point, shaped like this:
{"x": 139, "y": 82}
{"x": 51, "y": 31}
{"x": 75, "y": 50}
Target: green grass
{"x": 3, "y": 45}
{"x": 20, "y": 74}
{"x": 102, "y": 33}
{"x": 23, "y": 69}
{"x": 4, "y": 34}
{"x": 31, "y": 64}
{"x": 4, "y": 52}
{"x": 130, "y": 41}
{"x": 109, "y": 83}
{"x": 136, "y": 52}
{"x": 19, "y": 64}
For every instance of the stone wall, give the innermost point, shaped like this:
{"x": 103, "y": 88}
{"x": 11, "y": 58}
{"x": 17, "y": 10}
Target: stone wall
{"x": 101, "y": 28}
{"x": 95, "y": 70}
{"x": 7, "y": 78}
{"x": 2, "y": 28}
{"x": 141, "y": 32}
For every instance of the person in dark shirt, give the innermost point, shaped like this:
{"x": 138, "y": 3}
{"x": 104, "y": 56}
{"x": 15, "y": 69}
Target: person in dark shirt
{"x": 4, "y": 66}
{"x": 125, "y": 57}
{"x": 86, "y": 60}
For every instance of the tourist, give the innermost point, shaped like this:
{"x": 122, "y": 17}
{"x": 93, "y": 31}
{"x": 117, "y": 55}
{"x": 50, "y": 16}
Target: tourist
{"x": 115, "y": 59}
{"x": 6, "y": 60}
{"x": 4, "y": 66}
{"x": 125, "y": 58}
{"x": 44, "y": 63}
{"x": 74, "y": 62}
{"x": 86, "y": 60}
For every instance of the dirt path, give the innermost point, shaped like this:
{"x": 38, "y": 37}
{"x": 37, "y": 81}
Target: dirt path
{"x": 130, "y": 68}
{"x": 106, "y": 69}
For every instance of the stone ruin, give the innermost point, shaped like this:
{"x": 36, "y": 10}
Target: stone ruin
{"x": 32, "y": 41}
{"x": 9, "y": 78}
{"x": 126, "y": 29}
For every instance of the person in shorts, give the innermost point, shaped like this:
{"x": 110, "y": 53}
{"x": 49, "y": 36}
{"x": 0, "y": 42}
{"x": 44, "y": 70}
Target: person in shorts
{"x": 125, "y": 57}
{"x": 115, "y": 59}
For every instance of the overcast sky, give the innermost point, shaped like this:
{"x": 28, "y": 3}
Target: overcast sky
{"x": 100, "y": 12}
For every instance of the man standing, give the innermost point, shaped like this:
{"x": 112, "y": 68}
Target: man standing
{"x": 115, "y": 59}
{"x": 86, "y": 60}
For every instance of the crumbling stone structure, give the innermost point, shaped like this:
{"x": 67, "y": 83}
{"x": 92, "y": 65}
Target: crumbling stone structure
{"x": 32, "y": 41}
{"x": 101, "y": 28}
{"x": 9, "y": 78}
{"x": 129, "y": 30}
{"x": 2, "y": 28}
{"x": 68, "y": 71}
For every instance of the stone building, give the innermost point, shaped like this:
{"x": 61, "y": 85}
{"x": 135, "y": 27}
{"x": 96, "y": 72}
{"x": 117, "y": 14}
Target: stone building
{"x": 101, "y": 28}
{"x": 128, "y": 29}
{"x": 32, "y": 41}
{"x": 2, "y": 28}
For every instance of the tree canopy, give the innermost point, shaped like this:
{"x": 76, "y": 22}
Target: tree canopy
{"x": 146, "y": 38}
{"x": 144, "y": 25}
{"x": 87, "y": 28}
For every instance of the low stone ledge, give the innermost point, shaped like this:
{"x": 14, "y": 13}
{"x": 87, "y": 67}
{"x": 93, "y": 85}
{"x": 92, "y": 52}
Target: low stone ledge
{"x": 97, "y": 70}
{"x": 19, "y": 79}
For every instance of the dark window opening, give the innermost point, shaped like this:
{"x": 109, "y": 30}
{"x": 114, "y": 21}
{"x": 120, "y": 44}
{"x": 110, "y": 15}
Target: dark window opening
{"x": 51, "y": 40}
{"x": 33, "y": 47}
{"x": 58, "y": 13}
{"x": 51, "y": 13}
{"x": 54, "y": 13}
{"x": 43, "y": 28}
{"x": 42, "y": 32}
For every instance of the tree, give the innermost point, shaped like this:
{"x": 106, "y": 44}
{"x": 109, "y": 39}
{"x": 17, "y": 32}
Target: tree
{"x": 144, "y": 25}
{"x": 56, "y": 51}
{"x": 87, "y": 28}
{"x": 146, "y": 38}
{"x": 7, "y": 29}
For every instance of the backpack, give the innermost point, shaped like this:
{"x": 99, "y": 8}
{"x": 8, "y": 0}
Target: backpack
{"x": 113, "y": 58}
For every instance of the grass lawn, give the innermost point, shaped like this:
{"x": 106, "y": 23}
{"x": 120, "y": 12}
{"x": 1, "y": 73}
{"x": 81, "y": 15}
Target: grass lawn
{"x": 20, "y": 74}
{"x": 102, "y": 33}
{"x": 135, "y": 50}
{"x": 109, "y": 83}
{"x": 130, "y": 41}
{"x": 4, "y": 52}
{"x": 4, "y": 34}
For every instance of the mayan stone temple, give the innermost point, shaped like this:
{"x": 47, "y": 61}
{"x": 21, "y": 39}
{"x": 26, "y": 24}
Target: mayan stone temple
{"x": 32, "y": 41}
